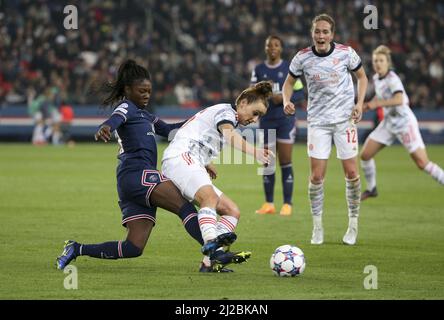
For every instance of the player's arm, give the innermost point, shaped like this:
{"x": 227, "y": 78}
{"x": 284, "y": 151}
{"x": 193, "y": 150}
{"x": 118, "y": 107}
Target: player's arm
{"x": 164, "y": 129}
{"x": 362, "y": 89}
{"x": 287, "y": 92}
{"x": 237, "y": 141}
{"x": 394, "y": 101}
{"x": 105, "y": 129}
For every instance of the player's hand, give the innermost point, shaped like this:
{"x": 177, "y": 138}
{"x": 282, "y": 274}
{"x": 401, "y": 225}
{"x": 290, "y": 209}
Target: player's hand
{"x": 289, "y": 108}
{"x": 104, "y": 133}
{"x": 211, "y": 169}
{"x": 371, "y": 105}
{"x": 357, "y": 113}
{"x": 265, "y": 156}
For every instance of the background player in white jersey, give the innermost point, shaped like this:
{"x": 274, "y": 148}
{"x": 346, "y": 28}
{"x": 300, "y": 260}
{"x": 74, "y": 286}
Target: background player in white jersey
{"x": 331, "y": 115}
{"x": 187, "y": 162}
{"x": 399, "y": 123}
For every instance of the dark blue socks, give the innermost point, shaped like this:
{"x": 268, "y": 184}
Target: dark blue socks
{"x": 268, "y": 181}
{"x": 287, "y": 182}
{"x": 188, "y": 214}
{"x": 109, "y": 250}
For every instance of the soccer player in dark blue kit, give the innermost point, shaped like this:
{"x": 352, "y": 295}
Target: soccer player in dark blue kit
{"x": 141, "y": 188}
{"x": 276, "y": 69}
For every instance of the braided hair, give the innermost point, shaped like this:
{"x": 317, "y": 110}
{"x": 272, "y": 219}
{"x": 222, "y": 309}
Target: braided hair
{"x": 129, "y": 73}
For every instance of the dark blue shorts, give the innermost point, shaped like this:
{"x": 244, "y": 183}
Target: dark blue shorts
{"x": 285, "y": 129}
{"x": 134, "y": 187}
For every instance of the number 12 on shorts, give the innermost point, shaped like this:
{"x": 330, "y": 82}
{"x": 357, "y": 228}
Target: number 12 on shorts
{"x": 351, "y": 135}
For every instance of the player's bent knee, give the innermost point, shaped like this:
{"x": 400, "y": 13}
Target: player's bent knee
{"x": 206, "y": 197}
{"x": 234, "y": 211}
{"x": 228, "y": 209}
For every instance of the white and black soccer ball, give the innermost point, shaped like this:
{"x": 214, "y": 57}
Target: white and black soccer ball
{"x": 287, "y": 261}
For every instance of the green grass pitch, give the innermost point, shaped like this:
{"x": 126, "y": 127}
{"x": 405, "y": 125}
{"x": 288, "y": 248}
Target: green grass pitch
{"x": 51, "y": 194}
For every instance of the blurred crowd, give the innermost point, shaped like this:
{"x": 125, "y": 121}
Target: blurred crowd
{"x": 201, "y": 52}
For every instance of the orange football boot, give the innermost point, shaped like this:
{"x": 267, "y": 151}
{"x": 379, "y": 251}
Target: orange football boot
{"x": 267, "y": 208}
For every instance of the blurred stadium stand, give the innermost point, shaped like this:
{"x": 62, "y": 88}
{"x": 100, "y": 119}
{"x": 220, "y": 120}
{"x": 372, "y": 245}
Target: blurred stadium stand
{"x": 199, "y": 52}
{"x": 16, "y": 125}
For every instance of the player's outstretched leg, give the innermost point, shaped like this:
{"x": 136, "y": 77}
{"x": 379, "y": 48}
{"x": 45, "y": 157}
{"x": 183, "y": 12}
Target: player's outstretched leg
{"x": 106, "y": 250}
{"x": 138, "y": 233}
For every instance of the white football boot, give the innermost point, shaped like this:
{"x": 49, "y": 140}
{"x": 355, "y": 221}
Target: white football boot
{"x": 352, "y": 232}
{"x": 317, "y": 236}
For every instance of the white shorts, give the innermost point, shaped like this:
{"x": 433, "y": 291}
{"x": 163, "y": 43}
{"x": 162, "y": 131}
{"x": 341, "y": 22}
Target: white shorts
{"x": 344, "y": 135}
{"x": 187, "y": 174}
{"x": 410, "y": 137}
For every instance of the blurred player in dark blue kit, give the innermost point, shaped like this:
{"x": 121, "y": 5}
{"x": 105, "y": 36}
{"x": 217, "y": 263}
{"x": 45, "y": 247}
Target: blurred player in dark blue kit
{"x": 276, "y": 69}
{"x": 141, "y": 188}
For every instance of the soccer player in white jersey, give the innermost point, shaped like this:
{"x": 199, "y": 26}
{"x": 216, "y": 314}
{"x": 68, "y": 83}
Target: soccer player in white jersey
{"x": 332, "y": 115}
{"x": 399, "y": 123}
{"x": 187, "y": 162}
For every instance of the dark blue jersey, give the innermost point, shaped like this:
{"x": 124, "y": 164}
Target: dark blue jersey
{"x": 136, "y": 129}
{"x": 276, "y": 74}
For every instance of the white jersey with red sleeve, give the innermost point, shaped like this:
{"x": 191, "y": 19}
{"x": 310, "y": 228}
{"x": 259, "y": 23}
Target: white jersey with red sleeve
{"x": 396, "y": 117}
{"x": 200, "y": 135}
{"x": 329, "y": 83}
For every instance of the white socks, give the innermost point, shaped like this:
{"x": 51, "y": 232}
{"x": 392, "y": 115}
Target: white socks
{"x": 369, "y": 168}
{"x": 353, "y": 196}
{"x": 210, "y": 227}
{"x": 226, "y": 224}
{"x": 207, "y": 218}
{"x": 435, "y": 171}
{"x": 316, "y": 194}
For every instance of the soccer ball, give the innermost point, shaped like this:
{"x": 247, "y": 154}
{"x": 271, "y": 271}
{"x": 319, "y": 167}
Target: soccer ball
{"x": 287, "y": 261}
